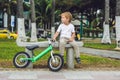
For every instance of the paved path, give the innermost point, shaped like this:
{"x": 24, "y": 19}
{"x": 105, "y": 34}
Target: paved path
{"x": 104, "y": 53}
{"x": 61, "y": 75}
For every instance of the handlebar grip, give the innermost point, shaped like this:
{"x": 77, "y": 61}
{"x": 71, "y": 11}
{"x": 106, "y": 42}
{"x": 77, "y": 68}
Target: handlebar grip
{"x": 52, "y": 40}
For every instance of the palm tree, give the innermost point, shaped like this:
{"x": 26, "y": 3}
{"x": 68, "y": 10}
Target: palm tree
{"x": 43, "y": 13}
{"x": 5, "y": 7}
{"x": 117, "y": 25}
{"x": 106, "y": 32}
{"x": 20, "y": 21}
{"x": 53, "y": 18}
{"x": 33, "y": 22}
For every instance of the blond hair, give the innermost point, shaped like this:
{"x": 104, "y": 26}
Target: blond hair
{"x": 68, "y": 15}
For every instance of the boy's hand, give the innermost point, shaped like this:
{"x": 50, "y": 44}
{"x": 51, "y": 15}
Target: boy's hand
{"x": 72, "y": 37}
{"x": 53, "y": 39}
{"x": 71, "y": 40}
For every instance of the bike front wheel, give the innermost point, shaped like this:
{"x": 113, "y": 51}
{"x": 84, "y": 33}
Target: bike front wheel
{"x": 57, "y": 63}
{"x": 18, "y": 60}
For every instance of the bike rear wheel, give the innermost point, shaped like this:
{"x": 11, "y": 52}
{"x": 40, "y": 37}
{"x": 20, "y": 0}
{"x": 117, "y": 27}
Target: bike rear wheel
{"x": 18, "y": 62}
{"x": 57, "y": 63}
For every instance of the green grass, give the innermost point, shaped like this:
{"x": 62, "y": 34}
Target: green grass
{"x": 100, "y": 46}
{"x": 90, "y": 59}
{"x": 8, "y": 49}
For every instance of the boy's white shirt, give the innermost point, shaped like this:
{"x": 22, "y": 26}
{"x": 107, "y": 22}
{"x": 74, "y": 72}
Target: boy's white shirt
{"x": 66, "y": 30}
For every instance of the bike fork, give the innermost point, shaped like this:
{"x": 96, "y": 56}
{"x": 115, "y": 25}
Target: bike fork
{"x": 52, "y": 56}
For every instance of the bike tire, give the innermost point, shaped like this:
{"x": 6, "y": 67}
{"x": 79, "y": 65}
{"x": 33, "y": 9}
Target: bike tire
{"x": 23, "y": 64}
{"x": 54, "y": 67}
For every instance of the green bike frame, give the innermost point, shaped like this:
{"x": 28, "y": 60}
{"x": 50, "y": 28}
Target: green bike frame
{"x": 34, "y": 59}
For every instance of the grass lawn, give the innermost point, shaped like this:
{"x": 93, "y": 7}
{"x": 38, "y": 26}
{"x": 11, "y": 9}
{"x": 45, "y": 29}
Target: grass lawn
{"x": 100, "y": 46}
{"x": 8, "y": 49}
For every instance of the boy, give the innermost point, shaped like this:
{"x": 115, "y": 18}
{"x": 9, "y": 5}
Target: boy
{"x": 67, "y": 35}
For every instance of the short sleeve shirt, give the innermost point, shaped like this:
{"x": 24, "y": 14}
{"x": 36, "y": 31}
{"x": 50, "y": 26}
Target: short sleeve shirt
{"x": 66, "y": 30}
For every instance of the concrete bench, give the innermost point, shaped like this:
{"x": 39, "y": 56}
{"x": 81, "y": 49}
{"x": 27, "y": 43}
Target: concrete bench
{"x": 44, "y": 44}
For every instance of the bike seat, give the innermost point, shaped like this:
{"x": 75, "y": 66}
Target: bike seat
{"x": 32, "y": 47}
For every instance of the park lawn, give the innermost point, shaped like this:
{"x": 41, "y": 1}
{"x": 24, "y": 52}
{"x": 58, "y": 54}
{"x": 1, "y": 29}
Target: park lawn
{"x": 8, "y": 49}
{"x": 100, "y": 46}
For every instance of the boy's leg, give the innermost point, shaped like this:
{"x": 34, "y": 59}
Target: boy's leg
{"x": 76, "y": 49}
{"x": 62, "y": 46}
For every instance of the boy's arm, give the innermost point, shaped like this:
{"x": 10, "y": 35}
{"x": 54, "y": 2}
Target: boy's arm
{"x": 55, "y": 35}
{"x": 72, "y": 37}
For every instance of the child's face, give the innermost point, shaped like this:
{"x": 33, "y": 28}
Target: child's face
{"x": 64, "y": 19}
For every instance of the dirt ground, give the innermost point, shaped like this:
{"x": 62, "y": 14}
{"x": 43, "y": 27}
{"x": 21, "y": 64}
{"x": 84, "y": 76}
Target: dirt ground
{"x": 43, "y": 65}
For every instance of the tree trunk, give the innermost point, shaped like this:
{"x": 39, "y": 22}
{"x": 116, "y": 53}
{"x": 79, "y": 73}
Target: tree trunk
{"x": 19, "y": 9}
{"x": 117, "y": 7}
{"x": 53, "y": 19}
{"x": 21, "y": 28}
{"x": 33, "y": 22}
{"x": 106, "y": 32}
{"x": 20, "y": 21}
{"x": 117, "y": 25}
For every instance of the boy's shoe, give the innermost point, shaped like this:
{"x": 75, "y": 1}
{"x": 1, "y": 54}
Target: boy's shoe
{"x": 77, "y": 60}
